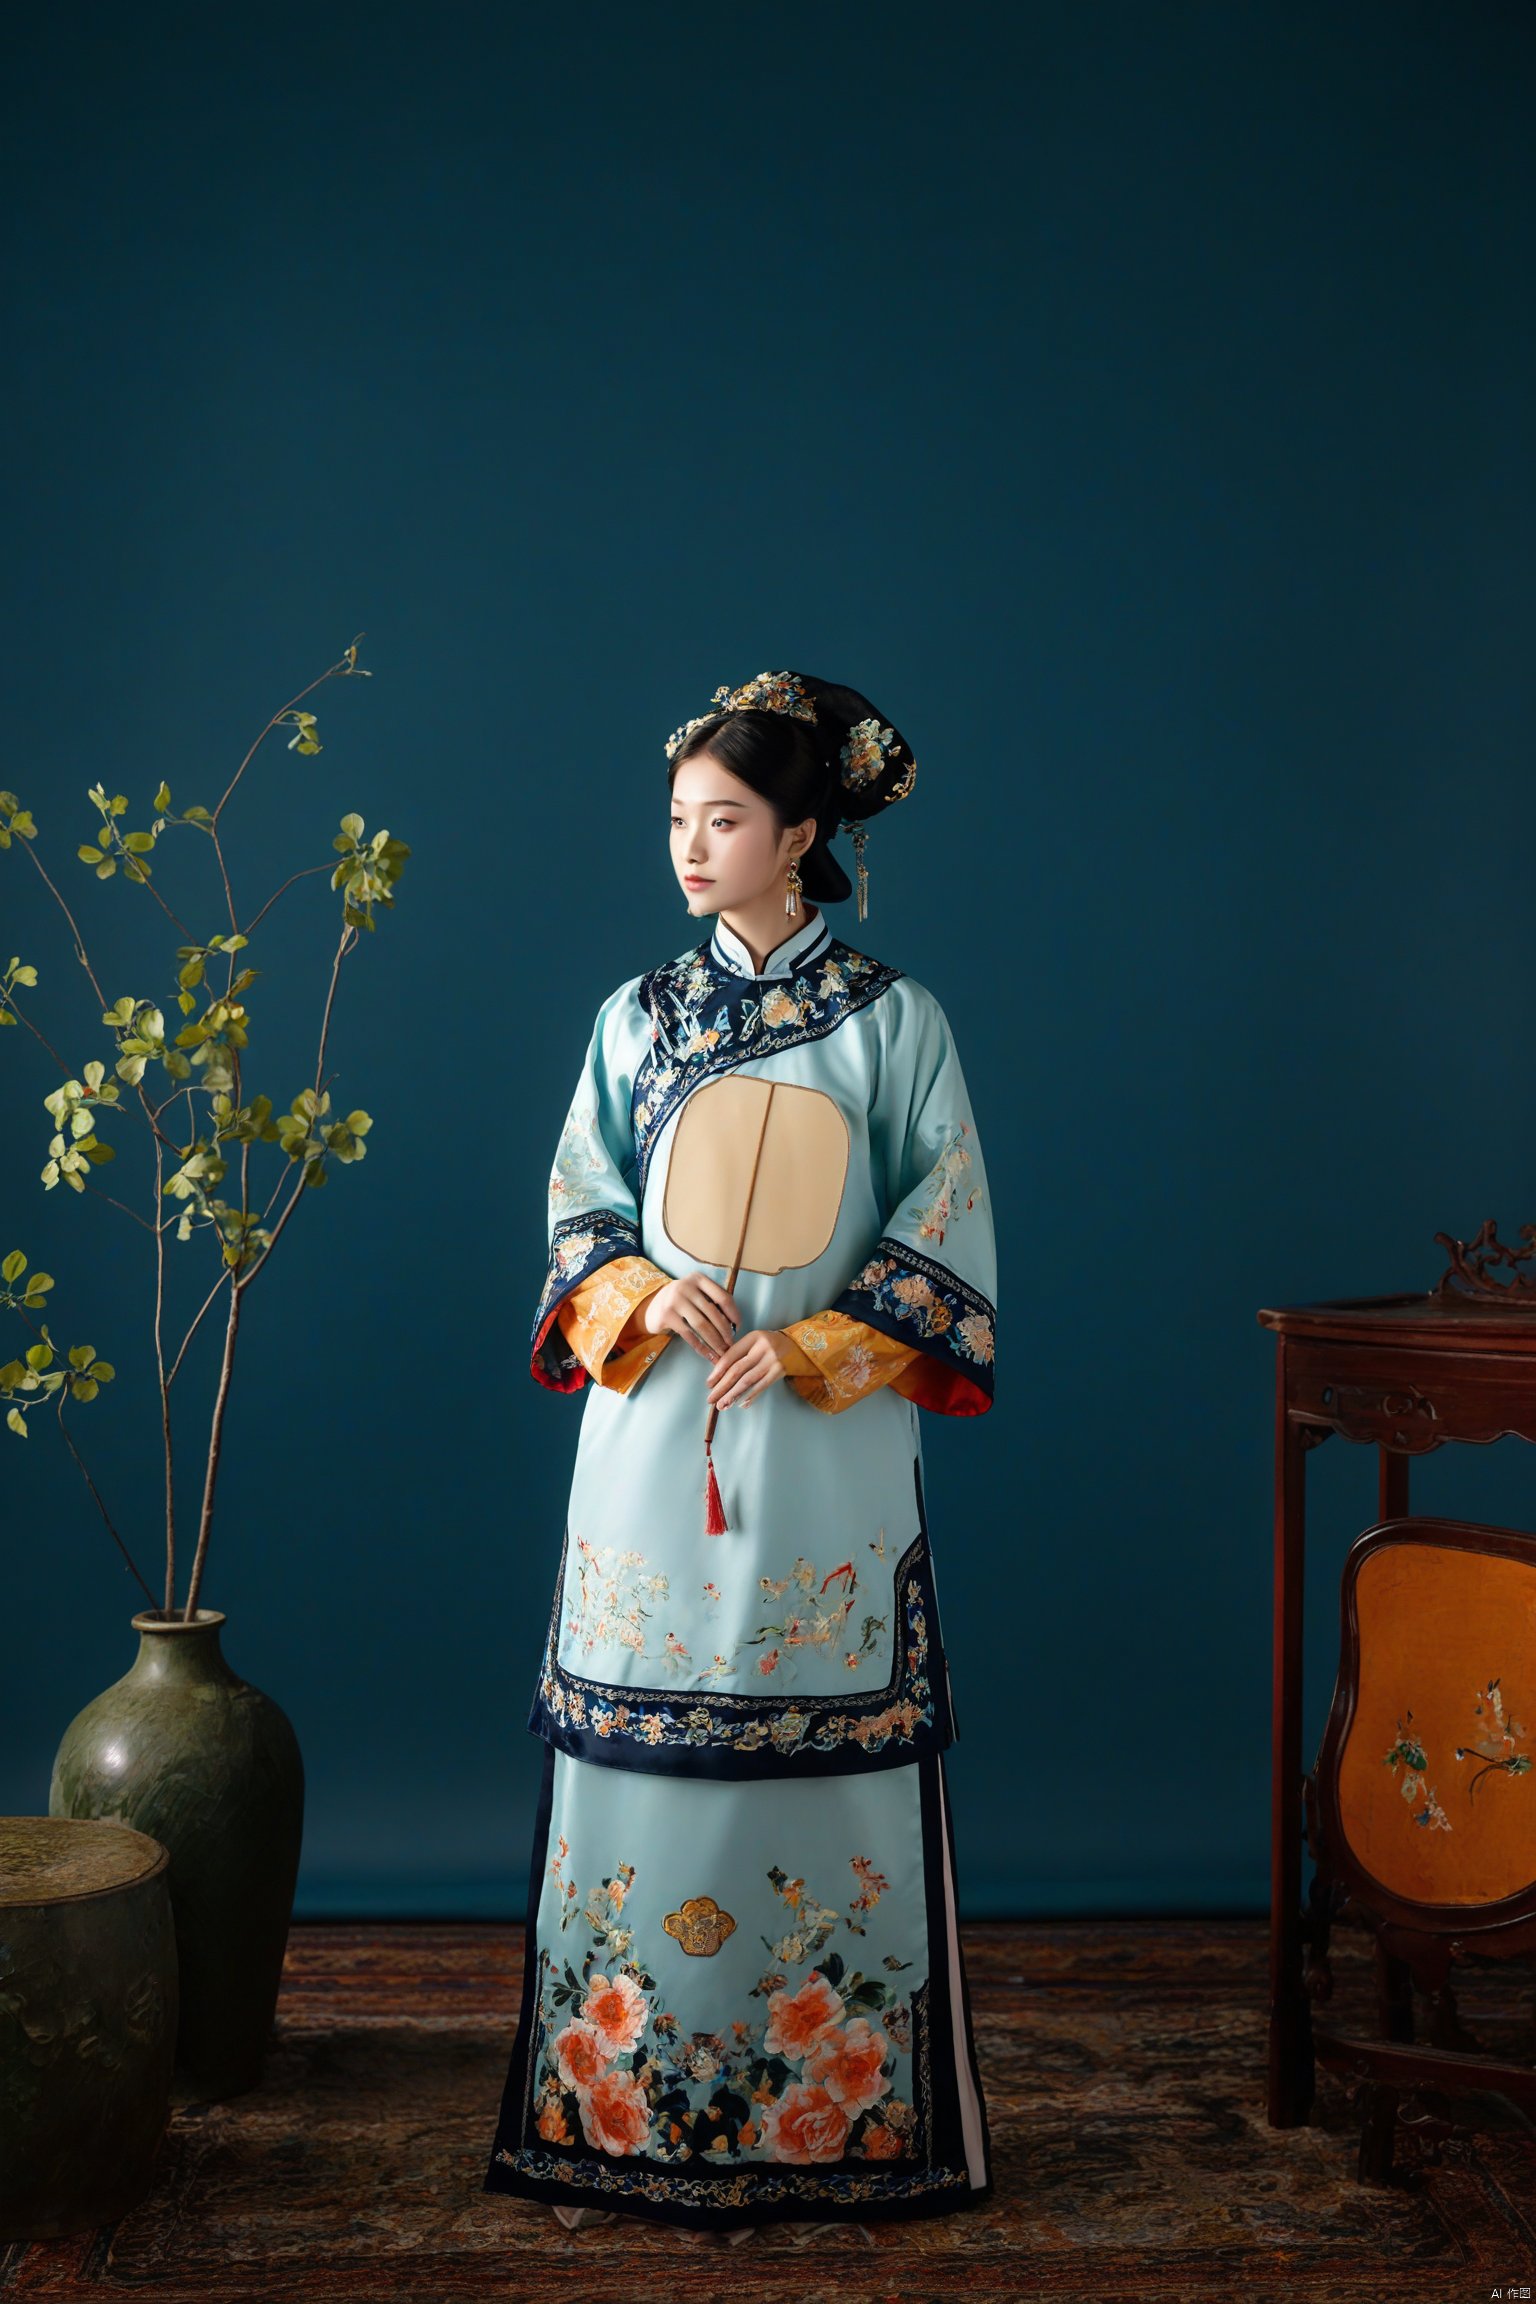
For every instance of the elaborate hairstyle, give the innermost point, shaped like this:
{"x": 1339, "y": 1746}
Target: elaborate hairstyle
{"x": 779, "y": 758}
{"x": 810, "y": 748}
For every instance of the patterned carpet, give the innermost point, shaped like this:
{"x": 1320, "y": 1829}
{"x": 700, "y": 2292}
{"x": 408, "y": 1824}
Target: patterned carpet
{"x": 1124, "y": 2068}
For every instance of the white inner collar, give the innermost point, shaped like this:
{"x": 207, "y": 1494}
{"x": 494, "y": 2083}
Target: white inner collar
{"x": 782, "y": 960}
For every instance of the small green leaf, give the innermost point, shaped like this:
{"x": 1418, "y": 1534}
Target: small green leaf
{"x": 13, "y": 1267}
{"x": 17, "y": 1422}
{"x": 88, "y": 855}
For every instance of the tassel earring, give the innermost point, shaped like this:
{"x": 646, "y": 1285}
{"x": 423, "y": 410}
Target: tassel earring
{"x": 792, "y": 888}
{"x": 859, "y": 833}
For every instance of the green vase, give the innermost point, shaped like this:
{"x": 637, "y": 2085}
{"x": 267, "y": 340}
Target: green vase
{"x": 184, "y": 1749}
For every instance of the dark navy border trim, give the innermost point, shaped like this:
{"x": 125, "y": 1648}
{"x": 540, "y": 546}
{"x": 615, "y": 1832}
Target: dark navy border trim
{"x": 672, "y": 1732}
{"x": 871, "y": 1297}
{"x": 613, "y": 1235}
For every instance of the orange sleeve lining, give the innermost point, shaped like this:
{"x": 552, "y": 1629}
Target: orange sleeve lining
{"x": 600, "y": 1320}
{"x": 844, "y": 1360}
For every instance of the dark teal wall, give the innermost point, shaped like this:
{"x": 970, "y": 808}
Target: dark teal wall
{"x": 1133, "y": 400}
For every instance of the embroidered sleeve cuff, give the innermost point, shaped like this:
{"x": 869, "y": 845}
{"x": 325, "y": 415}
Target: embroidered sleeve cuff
{"x": 845, "y": 1360}
{"x": 797, "y": 1361}
{"x": 582, "y": 1247}
{"x": 600, "y": 1321}
{"x": 909, "y": 1296}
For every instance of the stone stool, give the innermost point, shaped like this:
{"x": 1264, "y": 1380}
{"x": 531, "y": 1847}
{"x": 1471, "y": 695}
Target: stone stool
{"x": 87, "y": 2021}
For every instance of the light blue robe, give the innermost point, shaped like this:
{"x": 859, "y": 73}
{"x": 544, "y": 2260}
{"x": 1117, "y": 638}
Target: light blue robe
{"x": 753, "y": 1723}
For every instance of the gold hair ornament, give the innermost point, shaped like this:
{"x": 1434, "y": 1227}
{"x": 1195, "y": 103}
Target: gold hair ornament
{"x": 862, "y": 758}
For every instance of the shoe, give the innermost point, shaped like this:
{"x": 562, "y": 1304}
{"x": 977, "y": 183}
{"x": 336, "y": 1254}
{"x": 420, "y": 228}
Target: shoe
{"x": 576, "y": 2218}
{"x": 800, "y": 2233}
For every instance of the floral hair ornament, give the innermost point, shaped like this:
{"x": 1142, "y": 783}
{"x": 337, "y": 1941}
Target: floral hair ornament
{"x": 870, "y": 762}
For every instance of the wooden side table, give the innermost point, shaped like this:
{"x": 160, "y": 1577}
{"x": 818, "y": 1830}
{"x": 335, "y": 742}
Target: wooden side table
{"x": 1403, "y": 1374}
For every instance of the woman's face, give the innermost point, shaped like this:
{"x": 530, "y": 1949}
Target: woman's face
{"x": 727, "y": 848}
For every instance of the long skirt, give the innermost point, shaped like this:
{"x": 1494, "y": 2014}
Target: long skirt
{"x": 743, "y": 2001}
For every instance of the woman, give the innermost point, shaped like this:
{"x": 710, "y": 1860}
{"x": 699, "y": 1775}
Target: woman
{"x": 744, "y": 1999}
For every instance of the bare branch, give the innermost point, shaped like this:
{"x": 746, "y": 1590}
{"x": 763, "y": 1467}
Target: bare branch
{"x": 307, "y": 872}
{"x": 224, "y": 1276}
{"x": 80, "y": 952}
{"x": 347, "y": 944}
{"x": 90, "y": 1483}
{"x": 215, "y": 1446}
{"x": 165, "y": 1392}
{"x": 328, "y": 674}
{"x": 245, "y": 1279}
{"x": 141, "y": 879}
{"x": 127, "y": 1211}
{"x": 218, "y": 850}
{"x": 22, "y": 1017}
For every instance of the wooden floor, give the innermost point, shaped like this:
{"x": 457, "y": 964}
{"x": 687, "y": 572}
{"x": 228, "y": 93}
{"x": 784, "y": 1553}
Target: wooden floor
{"x": 1124, "y": 2071}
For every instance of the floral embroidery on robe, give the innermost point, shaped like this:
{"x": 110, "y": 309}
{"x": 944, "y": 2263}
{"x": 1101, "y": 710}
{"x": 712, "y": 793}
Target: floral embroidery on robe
{"x": 811, "y": 2078}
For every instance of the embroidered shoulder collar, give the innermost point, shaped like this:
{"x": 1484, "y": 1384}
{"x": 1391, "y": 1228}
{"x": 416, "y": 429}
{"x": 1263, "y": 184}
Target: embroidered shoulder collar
{"x": 705, "y": 1018}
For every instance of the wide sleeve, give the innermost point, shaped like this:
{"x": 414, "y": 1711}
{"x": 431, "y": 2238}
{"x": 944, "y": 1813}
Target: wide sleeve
{"x": 837, "y": 1360}
{"x": 594, "y": 1219}
{"x": 930, "y": 1280}
{"x": 601, "y": 1321}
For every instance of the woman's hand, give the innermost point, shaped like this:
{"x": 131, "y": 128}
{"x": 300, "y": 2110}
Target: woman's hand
{"x": 746, "y": 1368}
{"x": 696, "y": 1308}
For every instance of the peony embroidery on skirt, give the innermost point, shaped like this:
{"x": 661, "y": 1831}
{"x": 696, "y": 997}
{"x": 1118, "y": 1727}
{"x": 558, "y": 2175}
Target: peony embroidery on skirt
{"x": 817, "y": 2075}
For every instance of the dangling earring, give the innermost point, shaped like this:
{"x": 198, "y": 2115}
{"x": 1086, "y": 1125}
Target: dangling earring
{"x": 859, "y": 833}
{"x": 792, "y": 888}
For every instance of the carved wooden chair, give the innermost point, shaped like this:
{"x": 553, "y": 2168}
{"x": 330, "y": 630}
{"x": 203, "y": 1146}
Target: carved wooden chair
{"x": 1421, "y": 1812}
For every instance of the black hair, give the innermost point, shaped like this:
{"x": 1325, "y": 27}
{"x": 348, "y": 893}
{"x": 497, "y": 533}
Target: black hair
{"x": 777, "y": 755}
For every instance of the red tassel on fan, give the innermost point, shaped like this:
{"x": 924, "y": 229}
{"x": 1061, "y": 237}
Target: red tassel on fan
{"x": 715, "y": 1522}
